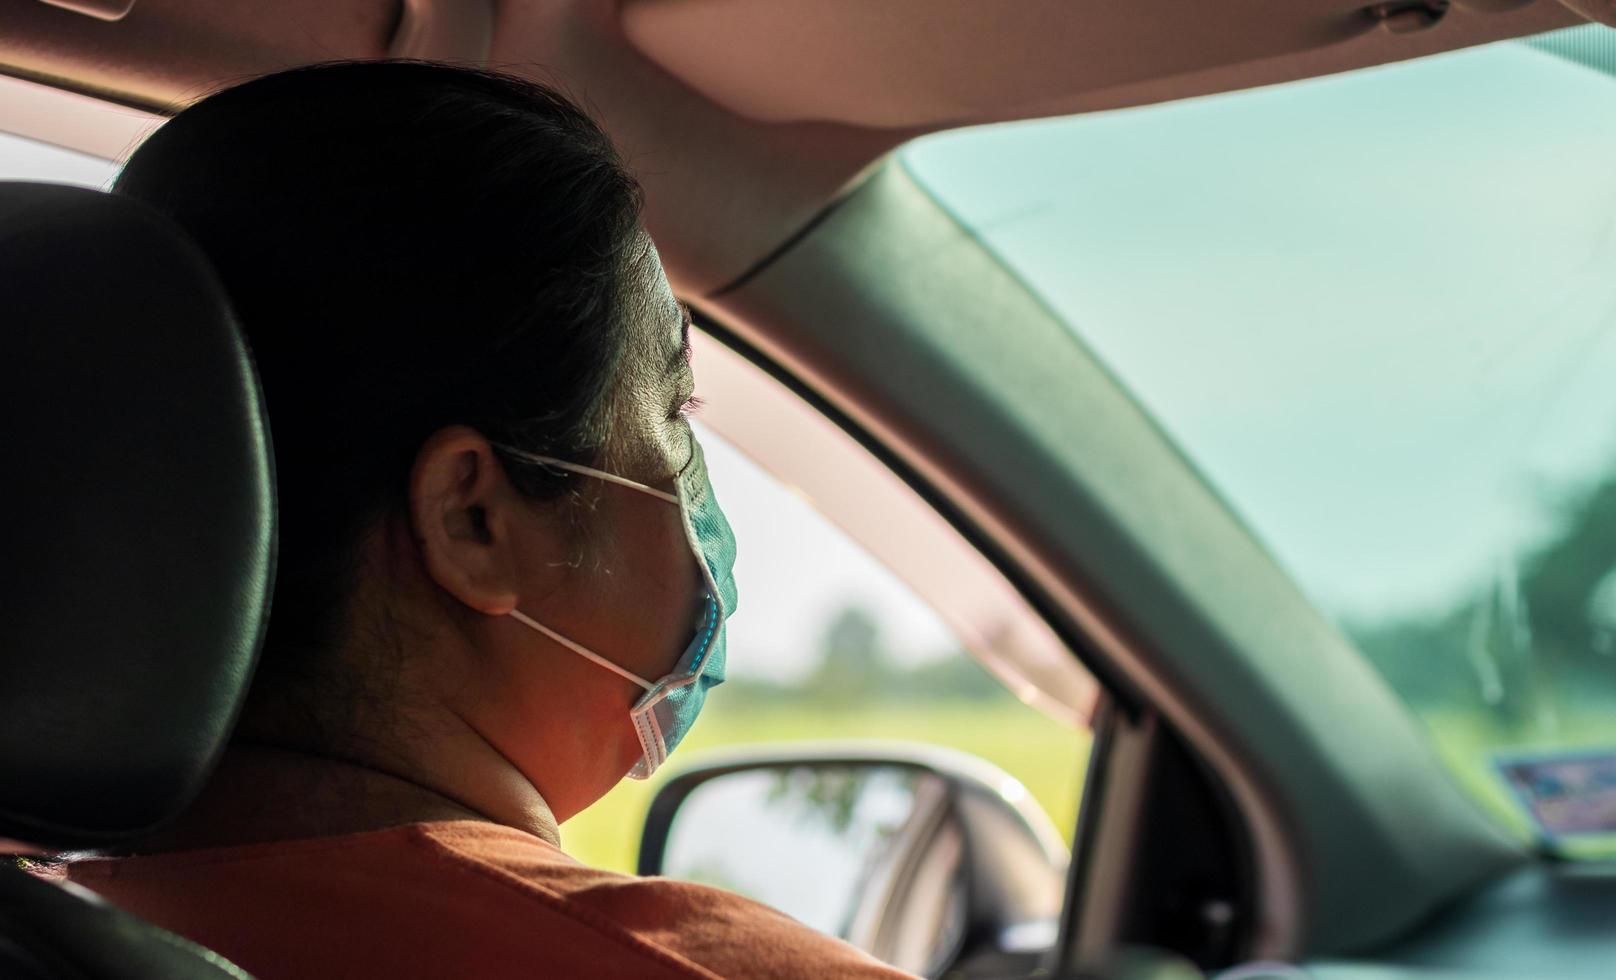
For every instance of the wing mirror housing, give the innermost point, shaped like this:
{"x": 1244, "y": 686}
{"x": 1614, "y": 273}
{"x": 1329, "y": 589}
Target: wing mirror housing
{"x": 929, "y": 859}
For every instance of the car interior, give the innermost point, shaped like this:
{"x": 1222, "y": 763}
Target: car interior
{"x": 142, "y": 592}
{"x": 1259, "y": 801}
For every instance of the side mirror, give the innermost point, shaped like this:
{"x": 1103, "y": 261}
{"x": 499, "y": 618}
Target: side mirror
{"x": 926, "y": 858}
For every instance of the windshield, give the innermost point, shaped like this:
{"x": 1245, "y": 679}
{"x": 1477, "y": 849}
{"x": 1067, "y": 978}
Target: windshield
{"x": 1378, "y": 311}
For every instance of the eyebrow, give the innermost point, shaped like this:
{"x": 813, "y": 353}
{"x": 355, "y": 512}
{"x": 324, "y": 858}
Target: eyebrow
{"x": 681, "y": 355}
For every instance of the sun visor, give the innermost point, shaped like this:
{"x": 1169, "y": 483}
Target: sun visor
{"x": 1599, "y": 11}
{"x": 109, "y": 10}
{"x": 940, "y": 63}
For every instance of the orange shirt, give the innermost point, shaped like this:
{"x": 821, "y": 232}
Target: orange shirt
{"x": 457, "y": 899}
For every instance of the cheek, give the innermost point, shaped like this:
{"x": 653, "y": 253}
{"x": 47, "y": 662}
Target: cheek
{"x": 650, "y": 587}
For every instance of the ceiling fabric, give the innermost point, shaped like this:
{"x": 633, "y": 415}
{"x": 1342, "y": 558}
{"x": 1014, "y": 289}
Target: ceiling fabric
{"x": 932, "y": 63}
{"x": 743, "y": 118}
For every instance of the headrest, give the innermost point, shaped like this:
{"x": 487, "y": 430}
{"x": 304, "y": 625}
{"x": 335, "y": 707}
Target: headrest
{"x": 137, "y": 531}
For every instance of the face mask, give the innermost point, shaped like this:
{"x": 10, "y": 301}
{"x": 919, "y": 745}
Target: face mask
{"x": 664, "y": 715}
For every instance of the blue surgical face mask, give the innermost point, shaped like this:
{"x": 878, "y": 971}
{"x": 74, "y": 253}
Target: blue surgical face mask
{"x": 664, "y": 715}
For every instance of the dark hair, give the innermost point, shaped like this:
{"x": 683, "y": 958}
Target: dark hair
{"x": 407, "y": 246}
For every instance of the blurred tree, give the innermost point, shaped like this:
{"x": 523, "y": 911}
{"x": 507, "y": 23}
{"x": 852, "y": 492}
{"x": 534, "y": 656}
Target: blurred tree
{"x": 853, "y": 666}
{"x": 1541, "y": 636}
{"x": 1562, "y": 583}
{"x": 955, "y": 677}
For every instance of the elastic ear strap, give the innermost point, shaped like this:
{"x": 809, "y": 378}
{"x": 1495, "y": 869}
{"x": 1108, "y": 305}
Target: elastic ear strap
{"x": 581, "y": 651}
{"x": 562, "y": 464}
{"x": 652, "y": 743}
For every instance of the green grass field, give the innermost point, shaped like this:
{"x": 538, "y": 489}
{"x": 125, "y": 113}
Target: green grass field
{"x": 1047, "y": 757}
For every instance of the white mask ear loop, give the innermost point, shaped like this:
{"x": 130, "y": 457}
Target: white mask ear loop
{"x": 587, "y": 654}
{"x": 562, "y": 464}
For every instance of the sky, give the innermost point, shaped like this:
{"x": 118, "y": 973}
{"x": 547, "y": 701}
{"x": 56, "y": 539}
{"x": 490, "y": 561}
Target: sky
{"x": 1377, "y": 310}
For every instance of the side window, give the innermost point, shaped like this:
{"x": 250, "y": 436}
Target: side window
{"x": 863, "y": 616}
{"x": 25, "y": 159}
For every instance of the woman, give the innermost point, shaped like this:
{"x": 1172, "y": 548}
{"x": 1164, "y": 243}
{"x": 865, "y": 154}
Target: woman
{"x": 502, "y": 573}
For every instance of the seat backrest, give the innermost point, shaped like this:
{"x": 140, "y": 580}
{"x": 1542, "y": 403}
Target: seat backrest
{"x": 136, "y": 541}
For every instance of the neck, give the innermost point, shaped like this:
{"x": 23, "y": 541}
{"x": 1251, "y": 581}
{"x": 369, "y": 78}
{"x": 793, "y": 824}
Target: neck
{"x": 262, "y": 793}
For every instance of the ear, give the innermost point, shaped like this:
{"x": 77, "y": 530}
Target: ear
{"x": 461, "y": 511}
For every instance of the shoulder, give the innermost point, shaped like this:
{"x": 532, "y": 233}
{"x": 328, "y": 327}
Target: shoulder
{"x": 717, "y": 930}
{"x": 420, "y": 900}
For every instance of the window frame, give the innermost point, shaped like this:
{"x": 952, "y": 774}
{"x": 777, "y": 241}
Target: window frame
{"x": 850, "y": 480}
{"x": 72, "y": 121}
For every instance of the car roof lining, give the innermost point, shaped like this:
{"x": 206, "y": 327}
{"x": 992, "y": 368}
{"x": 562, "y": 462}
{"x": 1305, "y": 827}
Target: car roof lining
{"x": 894, "y": 65}
{"x": 942, "y": 63}
{"x": 745, "y": 117}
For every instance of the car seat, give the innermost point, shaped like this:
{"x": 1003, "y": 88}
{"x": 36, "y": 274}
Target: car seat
{"x": 136, "y": 558}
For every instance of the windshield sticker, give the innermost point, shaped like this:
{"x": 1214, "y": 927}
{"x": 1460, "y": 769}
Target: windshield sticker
{"x": 1566, "y": 794}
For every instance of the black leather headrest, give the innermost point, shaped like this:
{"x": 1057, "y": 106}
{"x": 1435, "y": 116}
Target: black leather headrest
{"x": 137, "y": 524}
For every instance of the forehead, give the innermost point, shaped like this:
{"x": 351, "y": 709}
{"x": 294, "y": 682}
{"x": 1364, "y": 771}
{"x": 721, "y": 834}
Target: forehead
{"x": 654, "y": 309}
{"x": 646, "y": 444}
